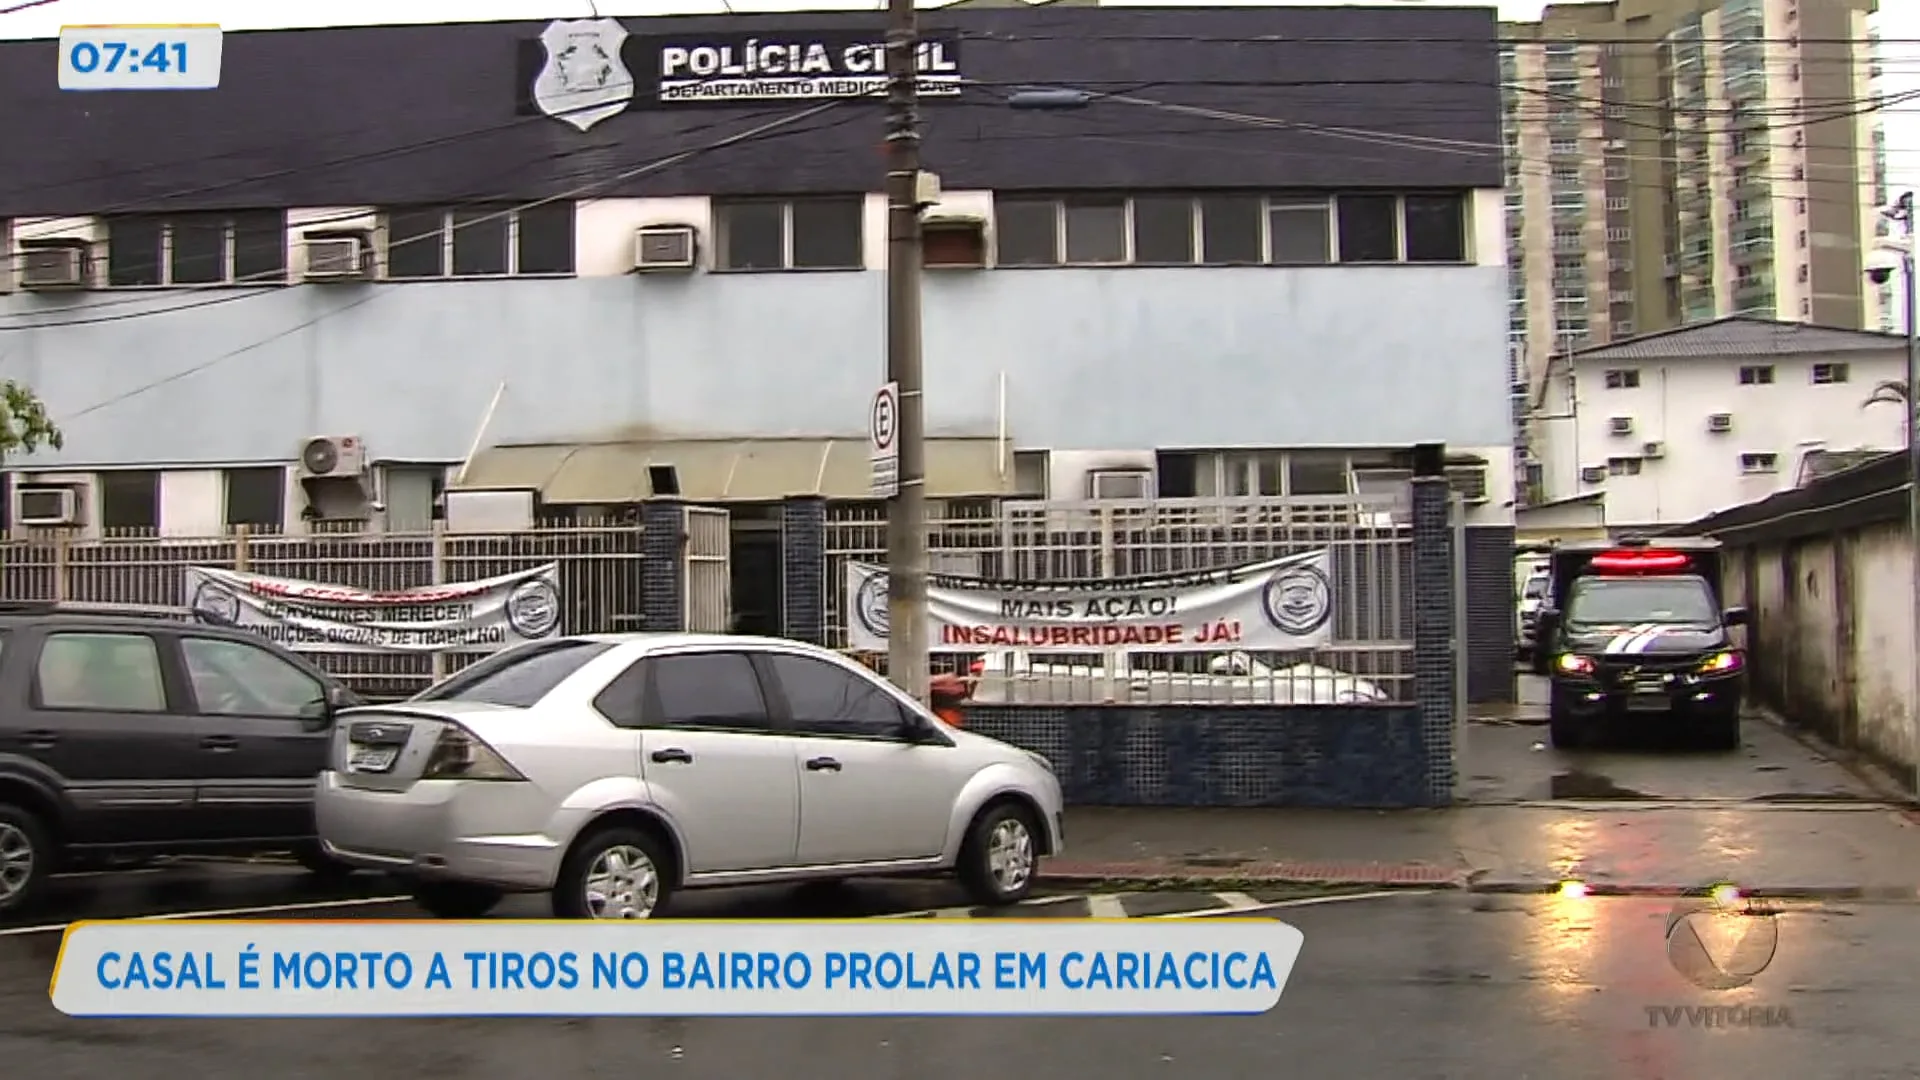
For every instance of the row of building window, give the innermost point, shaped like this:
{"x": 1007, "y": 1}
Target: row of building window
{"x": 1822, "y": 374}
{"x": 251, "y": 247}
{"x": 129, "y": 499}
{"x": 1750, "y": 462}
{"x": 826, "y": 233}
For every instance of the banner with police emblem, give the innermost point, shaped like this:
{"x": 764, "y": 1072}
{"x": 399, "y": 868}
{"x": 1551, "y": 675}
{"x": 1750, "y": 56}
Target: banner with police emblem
{"x": 309, "y": 616}
{"x": 1277, "y": 605}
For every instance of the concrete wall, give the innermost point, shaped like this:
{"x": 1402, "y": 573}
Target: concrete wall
{"x": 1094, "y": 358}
{"x": 1832, "y": 643}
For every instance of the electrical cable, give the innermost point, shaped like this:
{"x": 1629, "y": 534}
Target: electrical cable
{"x": 278, "y": 278}
{"x": 752, "y": 134}
{"x": 661, "y": 163}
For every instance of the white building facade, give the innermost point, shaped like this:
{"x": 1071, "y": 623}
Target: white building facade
{"x": 1667, "y": 428}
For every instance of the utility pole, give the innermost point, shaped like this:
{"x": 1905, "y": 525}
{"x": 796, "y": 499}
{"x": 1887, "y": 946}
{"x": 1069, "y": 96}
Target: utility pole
{"x": 907, "y": 656}
{"x": 1903, "y": 212}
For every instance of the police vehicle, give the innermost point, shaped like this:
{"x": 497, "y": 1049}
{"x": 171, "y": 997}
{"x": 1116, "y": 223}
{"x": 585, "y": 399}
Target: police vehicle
{"x": 1635, "y": 631}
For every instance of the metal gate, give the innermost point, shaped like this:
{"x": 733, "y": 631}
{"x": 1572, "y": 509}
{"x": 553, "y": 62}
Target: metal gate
{"x": 708, "y": 572}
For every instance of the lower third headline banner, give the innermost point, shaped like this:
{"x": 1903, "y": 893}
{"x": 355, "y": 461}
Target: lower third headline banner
{"x": 677, "y": 968}
{"x": 1279, "y": 605}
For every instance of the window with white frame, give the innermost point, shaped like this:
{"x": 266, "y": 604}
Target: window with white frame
{"x": 1623, "y": 466}
{"x": 480, "y": 241}
{"x": 1622, "y": 378}
{"x": 1759, "y": 462}
{"x": 1271, "y": 472}
{"x": 1829, "y": 374}
{"x": 816, "y": 233}
{"x": 242, "y": 248}
{"x": 1756, "y": 375}
{"x": 1227, "y": 229}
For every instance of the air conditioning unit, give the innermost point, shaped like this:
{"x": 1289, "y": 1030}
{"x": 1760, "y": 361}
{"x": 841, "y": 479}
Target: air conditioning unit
{"x": 1593, "y": 474}
{"x": 1120, "y": 484}
{"x": 46, "y": 505}
{"x": 336, "y": 257}
{"x": 1720, "y": 423}
{"x": 1653, "y": 450}
{"x": 328, "y": 457}
{"x": 54, "y": 264}
{"x": 666, "y": 247}
{"x": 1469, "y": 482}
{"x": 1620, "y": 425}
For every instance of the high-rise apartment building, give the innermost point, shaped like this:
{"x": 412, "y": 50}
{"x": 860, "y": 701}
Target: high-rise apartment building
{"x": 1672, "y": 161}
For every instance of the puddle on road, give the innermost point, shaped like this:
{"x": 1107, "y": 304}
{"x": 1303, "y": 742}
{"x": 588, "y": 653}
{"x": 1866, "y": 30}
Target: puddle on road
{"x": 1576, "y": 784}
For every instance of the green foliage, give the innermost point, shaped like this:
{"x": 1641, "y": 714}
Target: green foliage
{"x": 24, "y": 423}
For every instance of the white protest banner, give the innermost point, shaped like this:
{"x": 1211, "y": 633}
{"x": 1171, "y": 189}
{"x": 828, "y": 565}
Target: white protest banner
{"x": 308, "y": 616}
{"x": 1277, "y": 605}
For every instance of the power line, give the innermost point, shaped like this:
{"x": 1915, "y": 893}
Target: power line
{"x": 29, "y": 4}
{"x": 661, "y": 163}
{"x": 439, "y": 235}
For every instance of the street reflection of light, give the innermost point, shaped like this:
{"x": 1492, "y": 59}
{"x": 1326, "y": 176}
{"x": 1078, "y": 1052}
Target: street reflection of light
{"x": 1569, "y": 841}
{"x": 1560, "y": 950}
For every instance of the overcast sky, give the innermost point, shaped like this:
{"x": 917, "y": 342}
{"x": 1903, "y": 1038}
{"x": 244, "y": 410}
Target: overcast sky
{"x": 1899, "y": 26}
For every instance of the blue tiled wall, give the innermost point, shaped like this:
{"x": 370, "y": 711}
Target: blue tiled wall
{"x": 1228, "y": 755}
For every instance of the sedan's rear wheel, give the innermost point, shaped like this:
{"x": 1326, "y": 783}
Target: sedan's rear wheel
{"x": 616, "y": 873}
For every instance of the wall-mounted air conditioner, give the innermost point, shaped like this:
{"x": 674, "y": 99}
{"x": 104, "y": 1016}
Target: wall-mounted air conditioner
{"x": 1120, "y": 484}
{"x": 1620, "y": 425}
{"x": 1653, "y": 450}
{"x": 54, "y": 264}
{"x": 954, "y": 241}
{"x": 1593, "y": 474}
{"x": 1720, "y": 423}
{"x": 666, "y": 247}
{"x": 1469, "y": 482}
{"x": 328, "y": 457}
{"x": 46, "y": 504}
{"x": 337, "y": 256}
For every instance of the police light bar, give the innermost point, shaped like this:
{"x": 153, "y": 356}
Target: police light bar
{"x": 1639, "y": 562}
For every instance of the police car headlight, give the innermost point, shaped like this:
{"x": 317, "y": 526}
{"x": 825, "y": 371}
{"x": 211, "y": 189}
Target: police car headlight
{"x": 1570, "y": 664}
{"x": 1721, "y": 663}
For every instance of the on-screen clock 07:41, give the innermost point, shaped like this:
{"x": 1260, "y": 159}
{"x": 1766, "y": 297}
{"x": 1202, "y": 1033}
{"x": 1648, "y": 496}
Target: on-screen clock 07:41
{"x": 140, "y": 57}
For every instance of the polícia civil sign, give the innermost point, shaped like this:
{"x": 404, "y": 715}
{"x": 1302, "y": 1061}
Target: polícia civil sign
{"x": 987, "y": 967}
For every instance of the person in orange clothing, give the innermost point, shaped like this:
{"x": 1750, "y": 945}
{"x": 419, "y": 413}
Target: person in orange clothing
{"x": 947, "y": 693}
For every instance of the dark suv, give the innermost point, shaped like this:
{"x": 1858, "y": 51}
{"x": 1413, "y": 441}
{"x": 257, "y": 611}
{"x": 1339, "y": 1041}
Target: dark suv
{"x": 125, "y": 735}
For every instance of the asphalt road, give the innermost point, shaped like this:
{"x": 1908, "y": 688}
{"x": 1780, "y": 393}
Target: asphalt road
{"x": 1434, "y": 986}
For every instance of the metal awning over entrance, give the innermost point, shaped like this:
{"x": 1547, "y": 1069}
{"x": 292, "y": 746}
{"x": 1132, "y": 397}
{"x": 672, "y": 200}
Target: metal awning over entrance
{"x": 729, "y": 470}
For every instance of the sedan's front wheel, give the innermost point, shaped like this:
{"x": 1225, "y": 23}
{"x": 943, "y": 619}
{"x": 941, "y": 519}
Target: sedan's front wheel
{"x": 616, "y": 873}
{"x": 1000, "y": 859}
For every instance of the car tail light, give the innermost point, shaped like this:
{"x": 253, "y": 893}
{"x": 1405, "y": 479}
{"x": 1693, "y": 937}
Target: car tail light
{"x": 1639, "y": 562}
{"x": 460, "y": 755}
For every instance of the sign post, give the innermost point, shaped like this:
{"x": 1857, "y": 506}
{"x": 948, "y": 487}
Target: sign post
{"x": 883, "y": 441}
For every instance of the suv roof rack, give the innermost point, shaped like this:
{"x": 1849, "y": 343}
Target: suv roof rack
{"x": 57, "y": 607}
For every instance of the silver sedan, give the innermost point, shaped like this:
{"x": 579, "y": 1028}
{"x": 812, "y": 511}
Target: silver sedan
{"x": 614, "y": 770}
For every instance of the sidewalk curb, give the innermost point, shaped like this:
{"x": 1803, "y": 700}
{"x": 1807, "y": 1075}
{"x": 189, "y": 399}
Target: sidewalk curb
{"x": 1762, "y": 892}
{"x": 1166, "y": 875}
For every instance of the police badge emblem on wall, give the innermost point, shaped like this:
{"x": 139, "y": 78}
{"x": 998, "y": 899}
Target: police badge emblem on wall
{"x": 584, "y": 80}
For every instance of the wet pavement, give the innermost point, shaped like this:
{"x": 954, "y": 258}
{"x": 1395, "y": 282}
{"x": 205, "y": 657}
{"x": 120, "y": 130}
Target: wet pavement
{"x": 1443, "y": 985}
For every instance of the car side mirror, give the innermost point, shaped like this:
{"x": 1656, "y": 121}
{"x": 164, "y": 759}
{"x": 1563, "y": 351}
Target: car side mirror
{"x": 1735, "y": 616}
